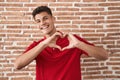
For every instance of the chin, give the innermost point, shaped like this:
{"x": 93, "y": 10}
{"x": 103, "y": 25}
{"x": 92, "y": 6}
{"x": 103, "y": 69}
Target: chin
{"x": 46, "y": 32}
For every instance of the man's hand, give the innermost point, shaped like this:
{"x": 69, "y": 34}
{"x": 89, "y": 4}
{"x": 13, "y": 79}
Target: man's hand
{"x": 73, "y": 42}
{"x": 51, "y": 41}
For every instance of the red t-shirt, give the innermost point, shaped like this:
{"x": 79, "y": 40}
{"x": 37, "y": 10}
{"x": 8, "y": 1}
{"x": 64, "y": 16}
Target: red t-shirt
{"x": 53, "y": 64}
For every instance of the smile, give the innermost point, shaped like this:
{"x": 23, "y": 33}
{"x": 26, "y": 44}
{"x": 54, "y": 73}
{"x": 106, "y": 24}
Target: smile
{"x": 44, "y": 27}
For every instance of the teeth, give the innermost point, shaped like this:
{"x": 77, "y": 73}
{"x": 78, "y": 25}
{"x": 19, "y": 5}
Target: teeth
{"x": 44, "y": 27}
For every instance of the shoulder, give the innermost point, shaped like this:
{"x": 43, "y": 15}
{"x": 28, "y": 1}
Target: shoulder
{"x": 82, "y": 39}
{"x": 33, "y": 44}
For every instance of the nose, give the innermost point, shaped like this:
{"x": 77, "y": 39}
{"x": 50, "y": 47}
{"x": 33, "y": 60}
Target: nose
{"x": 41, "y": 24}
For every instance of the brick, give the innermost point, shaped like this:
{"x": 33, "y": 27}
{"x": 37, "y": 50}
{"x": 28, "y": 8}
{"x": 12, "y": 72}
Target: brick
{"x": 117, "y": 72}
{"x": 18, "y": 27}
{"x": 28, "y": 22}
{"x": 18, "y": 52}
{"x": 114, "y": 59}
{"x": 66, "y": 30}
{"x": 2, "y": 35}
{"x": 113, "y": 8}
{"x": 94, "y": 0}
{"x": 14, "y": 48}
{"x": 10, "y": 22}
{"x": 1, "y": 9}
{"x": 86, "y": 13}
{"x": 13, "y": 39}
{"x": 113, "y": 17}
{"x": 60, "y": 5}
{"x": 5, "y": 52}
{"x": 109, "y": 38}
{"x": 107, "y": 72}
{"x": 3, "y": 78}
{"x": 97, "y": 68}
{"x": 19, "y": 18}
{"x": 18, "y": 1}
{"x": 85, "y": 31}
{"x": 85, "y": 5}
{"x": 88, "y": 64}
{"x": 22, "y": 78}
{"x": 4, "y": 61}
{"x": 109, "y": 4}
{"x": 109, "y": 30}
{"x": 1, "y": 0}
{"x": 113, "y": 46}
{"x": 17, "y": 9}
{"x": 63, "y": 14}
{"x": 17, "y": 74}
{"x": 113, "y": 63}
{"x": 115, "y": 33}
{"x": 108, "y": 21}
{"x": 113, "y": 77}
{"x": 68, "y": 0}
{"x": 62, "y": 22}
{"x": 67, "y": 26}
{"x": 113, "y": 0}
{"x": 95, "y": 77}
{"x": 92, "y": 26}
{"x": 18, "y": 35}
{"x": 68, "y": 18}
{"x": 12, "y": 14}
{"x": 109, "y": 13}
{"x": 115, "y": 55}
{"x": 67, "y": 9}
{"x": 10, "y": 31}
{"x": 35, "y": 4}
{"x": 43, "y": 0}
{"x": 11, "y": 5}
{"x": 113, "y": 25}
{"x": 89, "y": 73}
{"x": 93, "y": 35}
{"x": 93, "y": 18}
{"x": 92, "y": 9}
{"x": 83, "y": 22}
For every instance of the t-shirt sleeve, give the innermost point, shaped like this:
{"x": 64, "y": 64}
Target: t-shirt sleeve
{"x": 32, "y": 45}
{"x": 85, "y": 41}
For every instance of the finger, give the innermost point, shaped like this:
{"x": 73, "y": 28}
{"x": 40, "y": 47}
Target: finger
{"x": 58, "y": 33}
{"x": 71, "y": 35}
{"x": 64, "y": 35}
{"x": 56, "y": 46}
{"x": 68, "y": 47}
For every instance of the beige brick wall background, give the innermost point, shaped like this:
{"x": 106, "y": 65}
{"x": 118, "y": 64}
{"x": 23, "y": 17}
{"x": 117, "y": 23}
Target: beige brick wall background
{"x": 98, "y": 21}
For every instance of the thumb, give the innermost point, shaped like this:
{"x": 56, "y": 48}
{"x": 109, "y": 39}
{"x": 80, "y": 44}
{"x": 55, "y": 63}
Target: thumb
{"x": 68, "y": 47}
{"x": 56, "y": 46}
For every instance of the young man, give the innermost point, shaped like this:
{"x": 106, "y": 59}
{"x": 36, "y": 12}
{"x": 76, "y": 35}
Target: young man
{"x": 57, "y": 55}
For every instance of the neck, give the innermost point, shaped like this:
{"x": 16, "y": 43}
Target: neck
{"x": 51, "y": 33}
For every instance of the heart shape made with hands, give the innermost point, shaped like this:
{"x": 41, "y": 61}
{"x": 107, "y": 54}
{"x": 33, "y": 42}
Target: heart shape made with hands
{"x": 72, "y": 43}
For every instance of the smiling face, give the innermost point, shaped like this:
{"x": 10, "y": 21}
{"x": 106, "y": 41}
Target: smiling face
{"x": 46, "y": 23}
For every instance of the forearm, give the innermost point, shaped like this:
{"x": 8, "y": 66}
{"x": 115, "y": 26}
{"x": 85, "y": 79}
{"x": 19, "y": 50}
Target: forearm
{"x": 29, "y": 56}
{"x": 97, "y": 52}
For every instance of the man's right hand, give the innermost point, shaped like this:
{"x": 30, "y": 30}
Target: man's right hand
{"x": 51, "y": 41}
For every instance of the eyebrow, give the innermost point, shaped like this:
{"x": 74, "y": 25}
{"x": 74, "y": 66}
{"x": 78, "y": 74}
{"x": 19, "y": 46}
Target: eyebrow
{"x": 43, "y": 17}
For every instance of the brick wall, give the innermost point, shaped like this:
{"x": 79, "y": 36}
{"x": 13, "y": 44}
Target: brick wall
{"x": 98, "y": 21}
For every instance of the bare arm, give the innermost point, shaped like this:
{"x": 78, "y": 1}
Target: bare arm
{"x": 94, "y": 51}
{"x": 30, "y": 55}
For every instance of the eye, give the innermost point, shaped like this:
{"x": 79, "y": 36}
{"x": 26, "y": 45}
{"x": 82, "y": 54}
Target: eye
{"x": 45, "y": 18}
{"x": 37, "y": 21}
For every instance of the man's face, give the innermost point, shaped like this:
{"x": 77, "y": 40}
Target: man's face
{"x": 45, "y": 22}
